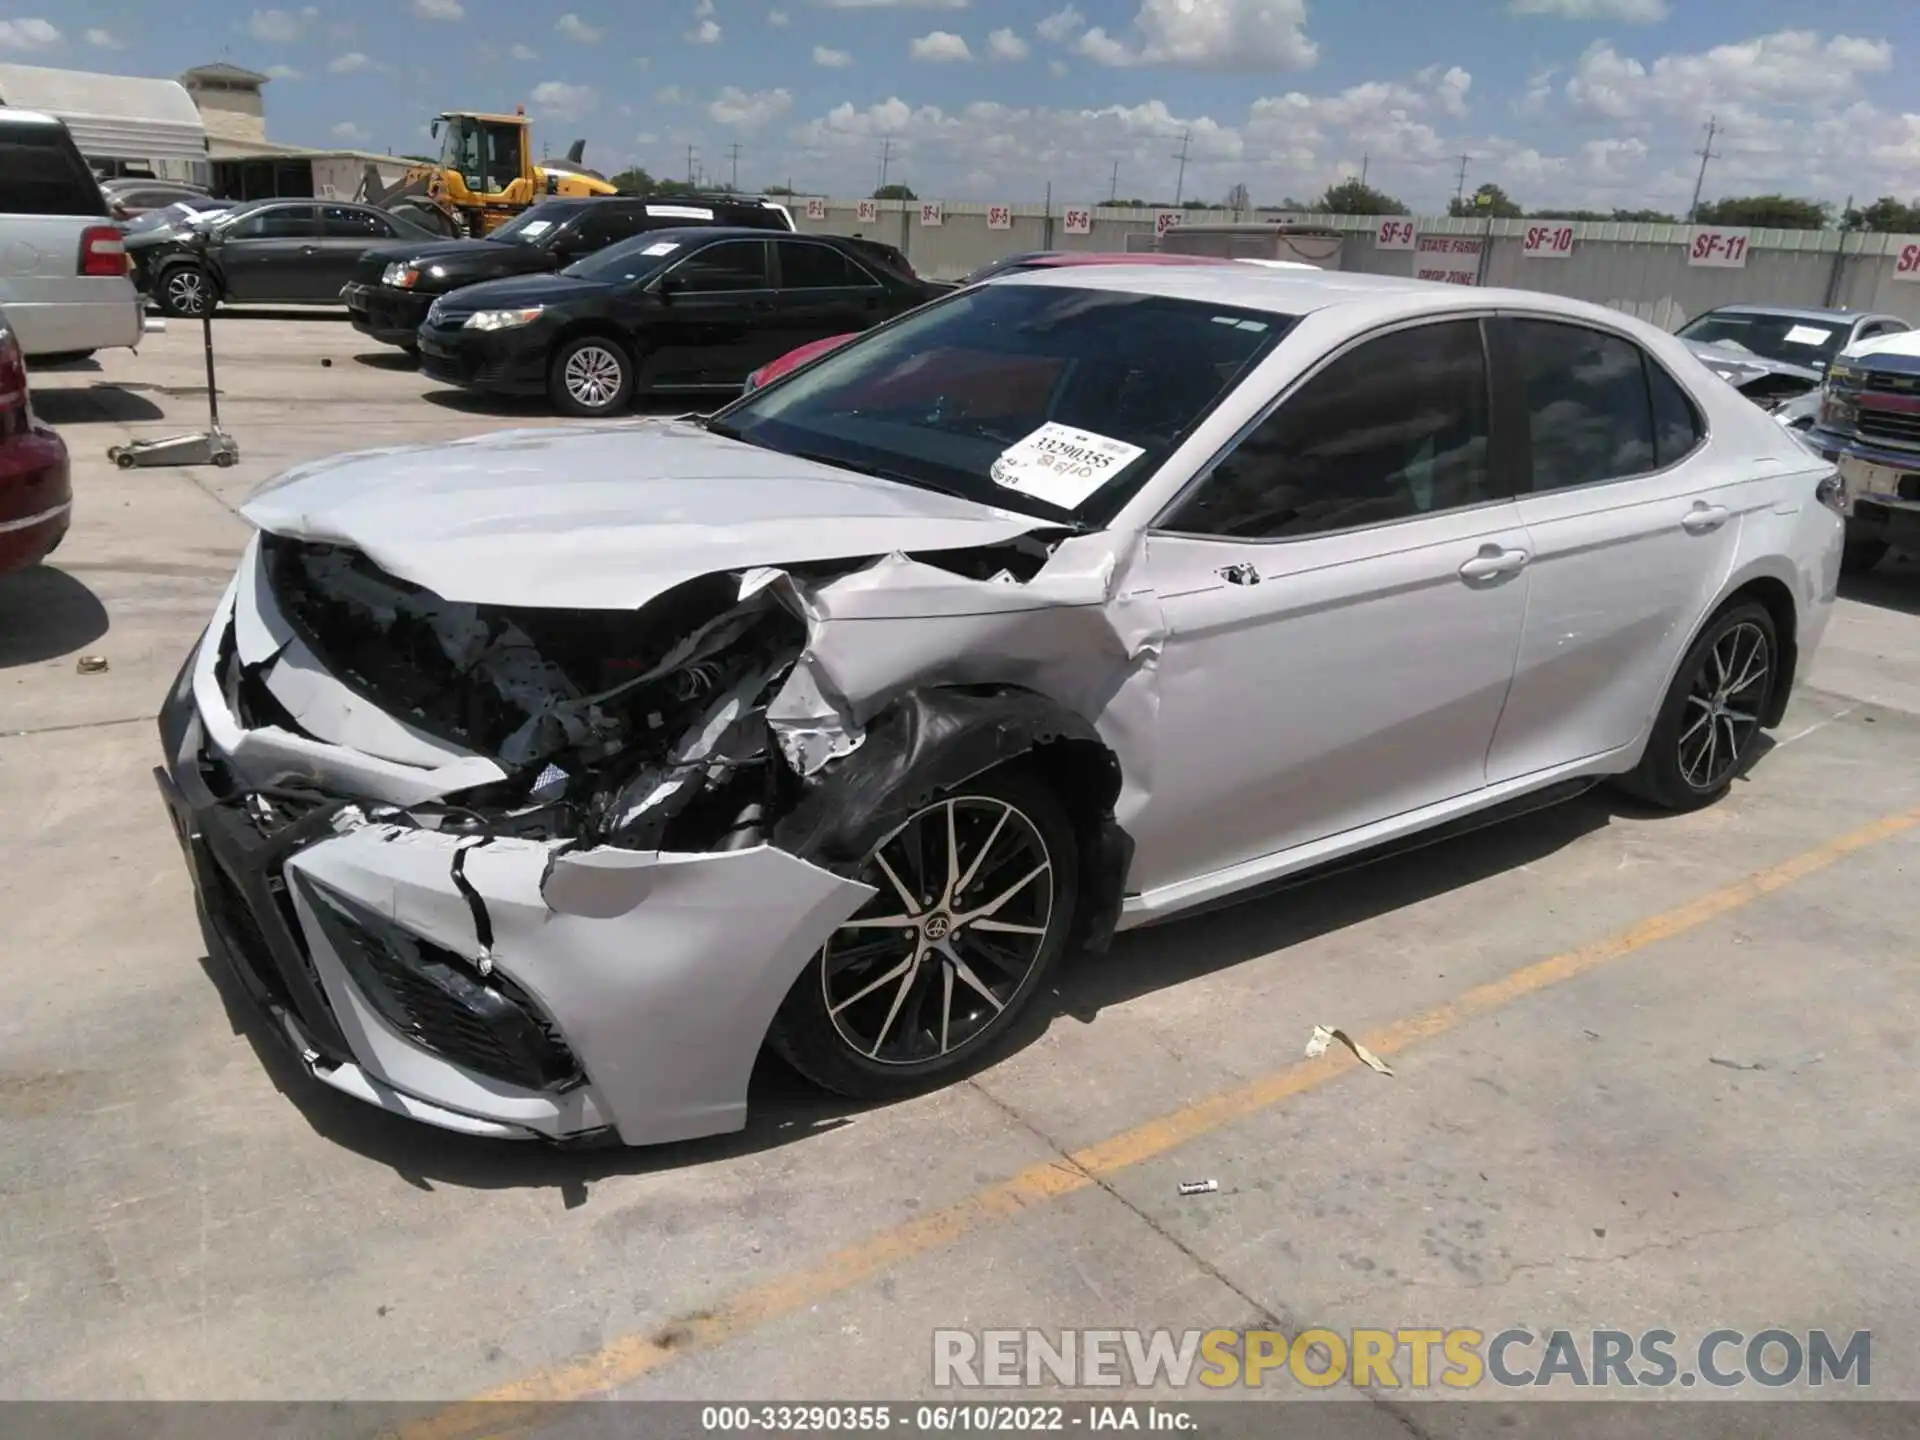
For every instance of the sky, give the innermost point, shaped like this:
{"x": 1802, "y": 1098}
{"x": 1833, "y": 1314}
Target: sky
{"x": 1590, "y": 103}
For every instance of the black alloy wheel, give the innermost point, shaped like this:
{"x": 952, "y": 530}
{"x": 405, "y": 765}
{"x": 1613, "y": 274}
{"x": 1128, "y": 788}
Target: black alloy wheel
{"x": 974, "y": 896}
{"x": 185, "y": 292}
{"x": 1703, "y": 736}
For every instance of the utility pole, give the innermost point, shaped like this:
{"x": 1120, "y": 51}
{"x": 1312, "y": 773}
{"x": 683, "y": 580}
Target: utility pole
{"x": 1706, "y": 152}
{"x": 1180, "y": 184}
{"x": 1113, "y": 186}
{"x": 689, "y": 164}
{"x": 1363, "y": 168}
{"x": 886, "y": 160}
{"x": 1460, "y": 186}
{"x": 733, "y": 153}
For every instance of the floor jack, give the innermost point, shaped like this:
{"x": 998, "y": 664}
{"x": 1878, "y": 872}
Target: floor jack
{"x": 213, "y": 446}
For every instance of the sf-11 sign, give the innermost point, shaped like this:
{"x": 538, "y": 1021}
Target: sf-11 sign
{"x": 999, "y": 217}
{"x": 1394, "y": 235}
{"x": 1079, "y": 222}
{"x": 867, "y": 211}
{"x": 816, "y": 209}
{"x": 1723, "y": 249}
{"x": 1548, "y": 242}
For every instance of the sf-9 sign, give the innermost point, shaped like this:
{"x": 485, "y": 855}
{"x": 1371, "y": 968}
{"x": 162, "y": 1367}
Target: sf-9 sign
{"x": 1907, "y": 265}
{"x": 1726, "y": 249}
{"x": 1548, "y": 242}
{"x": 1394, "y": 235}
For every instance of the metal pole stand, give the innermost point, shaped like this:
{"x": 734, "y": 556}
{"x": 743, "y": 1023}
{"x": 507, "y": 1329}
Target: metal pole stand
{"x": 213, "y": 446}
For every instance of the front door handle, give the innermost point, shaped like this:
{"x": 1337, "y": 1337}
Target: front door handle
{"x": 1704, "y": 518}
{"x": 1492, "y": 561}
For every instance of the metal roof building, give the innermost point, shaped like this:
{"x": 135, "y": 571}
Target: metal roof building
{"x": 120, "y": 122}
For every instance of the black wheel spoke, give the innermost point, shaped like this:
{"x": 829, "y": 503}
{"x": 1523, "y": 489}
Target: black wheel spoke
{"x": 1722, "y": 710}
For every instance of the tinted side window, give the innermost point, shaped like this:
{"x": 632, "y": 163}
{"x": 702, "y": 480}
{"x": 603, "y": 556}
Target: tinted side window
{"x": 41, "y": 173}
{"x": 343, "y": 222}
{"x": 817, "y": 267}
{"x": 283, "y": 222}
{"x": 1393, "y": 429}
{"x": 730, "y": 265}
{"x": 1589, "y": 415}
{"x": 1676, "y": 424}
{"x": 601, "y": 226}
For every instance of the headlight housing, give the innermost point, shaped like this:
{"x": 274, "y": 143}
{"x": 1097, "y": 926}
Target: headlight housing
{"x": 1836, "y": 413}
{"x": 503, "y": 319}
{"x": 400, "y": 275}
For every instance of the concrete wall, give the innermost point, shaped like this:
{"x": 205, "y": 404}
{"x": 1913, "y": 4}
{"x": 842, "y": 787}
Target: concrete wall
{"x": 238, "y": 114}
{"x": 1642, "y": 269}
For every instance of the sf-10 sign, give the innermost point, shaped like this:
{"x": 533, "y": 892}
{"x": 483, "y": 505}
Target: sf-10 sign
{"x": 867, "y": 211}
{"x": 1079, "y": 222}
{"x": 999, "y": 217}
{"x": 1394, "y": 235}
{"x": 1907, "y": 266}
{"x": 816, "y": 209}
{"x": 1548, "y": 242}
{"x": 931, "y": 214}
{"x": 1724, "y": 249}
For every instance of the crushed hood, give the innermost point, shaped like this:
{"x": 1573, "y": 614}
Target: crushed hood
{"x": 606, "y": 516}
{"x": 1713, "y": 353}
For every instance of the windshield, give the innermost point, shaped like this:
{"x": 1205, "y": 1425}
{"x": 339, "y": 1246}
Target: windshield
{"x": 630, "y": 260}
{"x": 1053, "y": 401}
{"x": 1791, "y": 339}
{"x": 531, "y": 227}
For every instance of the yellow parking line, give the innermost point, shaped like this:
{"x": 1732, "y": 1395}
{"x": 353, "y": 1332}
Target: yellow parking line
{"x": 513, "y": 1406}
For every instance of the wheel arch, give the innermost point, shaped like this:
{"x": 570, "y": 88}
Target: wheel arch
{"x": 173, "y": 263}
{"x": 598, "y": 329}
{"x": 1777, "y": 596}
{"x": 932, "y": 739}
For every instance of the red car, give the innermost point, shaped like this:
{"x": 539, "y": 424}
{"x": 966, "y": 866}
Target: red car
{"x": 1038, "y": 260}
{"x": 36, "y": 495}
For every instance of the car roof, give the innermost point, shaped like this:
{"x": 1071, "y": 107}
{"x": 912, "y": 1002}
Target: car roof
{"x": 1798, "y": 312}
{"x": 1050, "y": 259}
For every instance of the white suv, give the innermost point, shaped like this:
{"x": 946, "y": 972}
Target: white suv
{"x": 64, "y": 285}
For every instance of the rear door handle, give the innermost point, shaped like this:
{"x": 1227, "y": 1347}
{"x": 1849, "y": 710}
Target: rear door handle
{"x": 1493, "y": 561}
{"x": 1703, "y": 518}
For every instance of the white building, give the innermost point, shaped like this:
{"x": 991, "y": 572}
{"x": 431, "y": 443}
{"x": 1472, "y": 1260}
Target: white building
{"x": 123, "y": 124}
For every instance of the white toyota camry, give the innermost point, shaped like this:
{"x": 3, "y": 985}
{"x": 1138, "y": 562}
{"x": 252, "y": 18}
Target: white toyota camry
{"x": 536, "y": 783}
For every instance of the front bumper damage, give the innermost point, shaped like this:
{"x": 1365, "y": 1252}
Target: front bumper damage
{"x": 515, "y": 979}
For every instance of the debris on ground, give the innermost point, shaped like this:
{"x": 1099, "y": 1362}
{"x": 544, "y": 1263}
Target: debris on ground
{"x": 1325, "y": 1035}
{"x": 91, "y": 664}
{"x": 1198, "y": 1187}
{"x": 1736, "y": 1064}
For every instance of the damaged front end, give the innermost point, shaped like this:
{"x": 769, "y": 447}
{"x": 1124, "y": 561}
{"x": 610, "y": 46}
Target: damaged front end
{"x": 540, "y": 872}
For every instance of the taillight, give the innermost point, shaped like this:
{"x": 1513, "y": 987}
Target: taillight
{"x": 103, "y": 251}
{"x": 13, "y": 381}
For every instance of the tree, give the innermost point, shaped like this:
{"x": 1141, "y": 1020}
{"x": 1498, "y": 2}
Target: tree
{"x": 1886, "y": 215}
{"x": 779, "y": 190}
{"x": 1487, "y": 201}
{"x": 895, "y": 191}
{"x": 1766, "y": 212}
{"x": 633, "y": 181}
{"x": 1352, "y": 197}
{"x": 1568, "y": 215}
{"x": 1646, "y": 217}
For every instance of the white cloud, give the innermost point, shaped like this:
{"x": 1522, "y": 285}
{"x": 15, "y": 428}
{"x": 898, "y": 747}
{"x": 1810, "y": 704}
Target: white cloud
{"x": 1003, "y": 44}
{"x": 276, "y": 27}
{"x": 1058, "y": 67}
{"x": 1631, "y": 12}
{"x": 1210, "y": 35}
{"x": 743, "y": 111}
{"x": 832, "y": 59}
{"x": 895, "y": 4}
{"x": 32, "y": 33}
{"x": 778, "y": 19}
{"x": 940, "y": 46}
{"x": 282, "y": 72}
{"x": 704, "y": 7}
{"x": 557, "y": 100}
{"x": 346, "y": 64}
{"x": 707, "y": 32}
{"x": 104, "y": 40}
{"x": 670, "y": 95}
{"x": 439, "y": 9}
{"x": 523, "y": 51}
{"x": 351, "y": 134}
{"x": 1060, "y": 24}
{"x": 574, "y": 28}
{"x": 1785, "y": 68}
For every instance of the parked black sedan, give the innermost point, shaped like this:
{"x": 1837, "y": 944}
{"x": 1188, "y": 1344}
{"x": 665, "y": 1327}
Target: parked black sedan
{"x": 271, "y": 251}
{"x": 674, "y": 310}
{"x": 392, "y": 286}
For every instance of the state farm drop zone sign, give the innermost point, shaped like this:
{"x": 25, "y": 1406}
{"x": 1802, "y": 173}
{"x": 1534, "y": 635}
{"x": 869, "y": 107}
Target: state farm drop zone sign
{"x": 1450, "y": 259}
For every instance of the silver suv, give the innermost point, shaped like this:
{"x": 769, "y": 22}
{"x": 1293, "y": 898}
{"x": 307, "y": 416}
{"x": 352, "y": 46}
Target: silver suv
{"x": 64, "y": 285}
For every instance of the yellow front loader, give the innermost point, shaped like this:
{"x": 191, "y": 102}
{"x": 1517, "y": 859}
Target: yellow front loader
{"x": 485, "y": 176}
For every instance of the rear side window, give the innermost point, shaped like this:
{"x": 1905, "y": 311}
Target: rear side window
{"x": 1394, "y": 429}
{"x": 343, "y": 222}
{"x": 1589, "y": 413}
{"x": 753, "y": 217}
{"x": 283, "y": 222}
{"x": 730, "y": 265}
{"x": 41, "y": 173}
{"x": 602, "y": 226}
{"x": 1676, "y": 424}
{"x": 817, "y": 267}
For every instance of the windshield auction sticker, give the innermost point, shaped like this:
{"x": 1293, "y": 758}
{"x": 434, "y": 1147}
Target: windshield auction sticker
{"x": 1062, "y": 466}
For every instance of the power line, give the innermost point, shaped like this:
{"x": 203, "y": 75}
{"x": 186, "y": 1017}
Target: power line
{"x": 1706, "y": 152}
{"x": 1180, "y": 183}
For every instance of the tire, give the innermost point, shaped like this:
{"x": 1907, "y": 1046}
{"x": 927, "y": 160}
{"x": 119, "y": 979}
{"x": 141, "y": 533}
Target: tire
{"x": 934, "y": 1023}
{"x": 1861, "y": 554}
{"x": 591, "y": 376}
{"x": 183, "y": 290}
{"x": 1719, "y": 688}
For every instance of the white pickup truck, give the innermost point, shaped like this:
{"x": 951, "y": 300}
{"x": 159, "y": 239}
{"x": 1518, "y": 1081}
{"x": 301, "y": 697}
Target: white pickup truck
{"x": 64, "y": 286}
